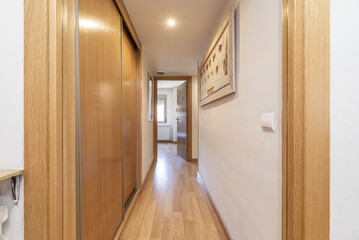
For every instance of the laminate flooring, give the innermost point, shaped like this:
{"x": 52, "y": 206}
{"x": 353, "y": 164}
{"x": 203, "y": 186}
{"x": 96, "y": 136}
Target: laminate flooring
{"x": 172, "y": 203}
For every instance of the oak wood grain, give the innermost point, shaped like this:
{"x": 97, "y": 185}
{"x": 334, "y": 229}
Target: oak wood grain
{"x": 70, "y": 230}
{"x": 167, "y": 208}
{"x": 43, "y": 119}
{"x": 138, "y": 166}
{"x": 101, "y": 118}
{"x": 129, "y": 115}
{"x": 36, "y": 103}
{"x": 6, "y": 174}
{"x": 308, "y": 109}
{"x": 128, "y": 22}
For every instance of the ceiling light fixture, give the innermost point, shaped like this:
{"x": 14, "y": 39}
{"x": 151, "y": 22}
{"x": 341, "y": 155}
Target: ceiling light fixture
{"x": 161, "y": 72}
{"x": 171, "y": 22}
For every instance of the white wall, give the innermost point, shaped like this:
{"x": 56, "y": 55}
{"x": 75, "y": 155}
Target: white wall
{"x": 171, "y": 94}
{"x": 147, "y": 126}
{"x": 12, "y": 84}
{"x": 12, "y": 108}
{"x": 344, "y": 118}
{"x": 240, "y": 163}
{"x": 168, "y": 92}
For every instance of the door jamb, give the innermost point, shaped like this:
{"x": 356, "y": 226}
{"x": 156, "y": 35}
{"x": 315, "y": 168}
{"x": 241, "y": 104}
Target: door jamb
{"x": 189, "y": 113}
{"x": 306, "y": 120}
{"x": 43, "y": 149}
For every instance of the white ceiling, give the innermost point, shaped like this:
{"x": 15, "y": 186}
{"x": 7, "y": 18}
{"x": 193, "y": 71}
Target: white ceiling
{"x": 168, "y": 84}
{"x": 175, "y": 50}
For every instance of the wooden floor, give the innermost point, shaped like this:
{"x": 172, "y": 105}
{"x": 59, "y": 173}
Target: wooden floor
{"x": 172, "y": 204}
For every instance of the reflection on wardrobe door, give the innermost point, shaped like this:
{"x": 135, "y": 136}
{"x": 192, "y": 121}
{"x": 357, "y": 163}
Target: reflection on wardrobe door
{"x": 101, "y": 119}
{"x": 129, "y": 108}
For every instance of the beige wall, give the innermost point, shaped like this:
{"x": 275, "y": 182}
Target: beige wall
{"x": 194, "y": 118}
{"x": 147, "y": 126}
{"x": 239, "y": 162}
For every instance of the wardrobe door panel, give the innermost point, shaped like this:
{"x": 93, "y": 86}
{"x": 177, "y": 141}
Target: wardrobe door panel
{"x": 129, "y": 112}
{"x": 101, "y": 118}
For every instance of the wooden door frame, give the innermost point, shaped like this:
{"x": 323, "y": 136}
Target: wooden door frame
{"x": 50, "y": 117}
{"x": 306, "y": 120}
{"x": 128, "y": 25}
{"x": 189, "y": 113}
{"x": 43, "y": 149}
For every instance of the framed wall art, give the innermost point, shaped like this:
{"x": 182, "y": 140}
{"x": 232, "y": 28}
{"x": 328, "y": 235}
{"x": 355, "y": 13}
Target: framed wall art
{"x": 217, "y": 71}
{"x": 150, "y": 96}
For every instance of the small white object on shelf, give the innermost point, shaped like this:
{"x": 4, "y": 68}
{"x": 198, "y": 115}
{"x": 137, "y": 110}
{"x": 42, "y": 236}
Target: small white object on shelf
{"x": 3, "y": 217}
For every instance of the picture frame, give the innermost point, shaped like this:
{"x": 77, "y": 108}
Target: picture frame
{"x": 217, "y": 70}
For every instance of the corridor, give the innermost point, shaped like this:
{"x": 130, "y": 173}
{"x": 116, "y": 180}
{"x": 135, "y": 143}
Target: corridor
{"x": 188, "y": 120}
{"x": 172, "y": 204}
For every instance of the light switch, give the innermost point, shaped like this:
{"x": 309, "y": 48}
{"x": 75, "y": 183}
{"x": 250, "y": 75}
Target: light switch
{"x": 267, "y": 121}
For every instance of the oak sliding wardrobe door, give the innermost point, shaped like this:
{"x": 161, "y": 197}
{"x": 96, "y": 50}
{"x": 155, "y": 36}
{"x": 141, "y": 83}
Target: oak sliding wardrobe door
{"x": 100, "y": 75}
{"x": 129, "y": 118}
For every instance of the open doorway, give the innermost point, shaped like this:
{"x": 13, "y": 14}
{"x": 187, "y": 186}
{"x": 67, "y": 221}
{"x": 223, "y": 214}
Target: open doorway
{"x": 172, "y": 115}
{"x": 173, "y": 125}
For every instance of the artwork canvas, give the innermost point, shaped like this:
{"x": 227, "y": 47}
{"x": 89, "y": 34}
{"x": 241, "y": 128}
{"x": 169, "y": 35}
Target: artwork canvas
{"x": 217, "y": 71}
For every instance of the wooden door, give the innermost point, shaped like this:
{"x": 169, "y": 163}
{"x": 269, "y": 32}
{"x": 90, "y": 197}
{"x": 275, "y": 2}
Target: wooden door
{"x": 129, "y": 115}
{"x": 101, "y": 118}
{"x": 182, "y": 120}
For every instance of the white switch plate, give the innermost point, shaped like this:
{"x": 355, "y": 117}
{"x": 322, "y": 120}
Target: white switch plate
{"x": 267, "y": 121}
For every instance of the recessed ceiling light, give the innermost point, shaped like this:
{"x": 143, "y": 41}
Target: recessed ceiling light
{"x": 171, "y": 22}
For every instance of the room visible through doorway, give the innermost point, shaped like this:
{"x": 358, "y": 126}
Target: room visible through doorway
{"x": 172, "y": 115}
